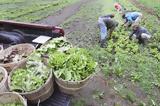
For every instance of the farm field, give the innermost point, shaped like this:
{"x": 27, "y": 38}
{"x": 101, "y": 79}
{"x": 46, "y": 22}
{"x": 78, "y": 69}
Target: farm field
{"x": 128, "y": 66}
{"x": 30, "y": 10}
{"x": 130, "y": 72}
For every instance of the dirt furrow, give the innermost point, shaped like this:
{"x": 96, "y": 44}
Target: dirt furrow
{"x": 144, "y": 8}
{"x": 60, "y": 16}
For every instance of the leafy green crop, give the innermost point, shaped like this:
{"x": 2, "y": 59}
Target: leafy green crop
{"x": 12, "y": 104}
{"x": 74, "y": 65}
{"x": 57, "y": 44}
{"x": 30, "y": 10}
{"x": 30, "y": 78}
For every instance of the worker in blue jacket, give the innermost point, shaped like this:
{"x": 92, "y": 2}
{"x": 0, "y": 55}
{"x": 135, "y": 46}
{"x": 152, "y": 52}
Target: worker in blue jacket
{"x": 131, "y": 18}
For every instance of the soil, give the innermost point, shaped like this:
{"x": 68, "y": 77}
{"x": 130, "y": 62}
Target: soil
{"x": 99, "y": 92}
{"x": 60, "y": 16}
{"x": 145, "y": 8}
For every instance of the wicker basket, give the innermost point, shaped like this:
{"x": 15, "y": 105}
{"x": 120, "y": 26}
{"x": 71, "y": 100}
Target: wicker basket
{"x": 22, "y": 48}
{"x": 3, "y": 83}
{"x": 11, "y": 97}
{"x": 42, "y": 93}
{"x": 71, "y": 87}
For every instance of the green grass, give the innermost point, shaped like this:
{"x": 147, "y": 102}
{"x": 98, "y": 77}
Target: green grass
{"x": 31, "y": 10}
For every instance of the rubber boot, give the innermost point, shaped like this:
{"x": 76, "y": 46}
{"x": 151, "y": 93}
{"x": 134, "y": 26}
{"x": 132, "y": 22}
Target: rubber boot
{"x": 103, "y": 43}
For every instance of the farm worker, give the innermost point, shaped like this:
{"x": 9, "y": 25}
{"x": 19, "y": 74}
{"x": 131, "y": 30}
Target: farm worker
{"x": 131, "y": 18}
{"x": 140, "y": 33}
{"x": 105, "y": 24}
{"x": 118, "y": 7}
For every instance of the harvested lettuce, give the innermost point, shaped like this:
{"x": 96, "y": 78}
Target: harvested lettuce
{"x": 57, "y": 44}
{"x": 12, "y": 104}
{"x": 74, "y": 65}
{"x": 30, "y": 78}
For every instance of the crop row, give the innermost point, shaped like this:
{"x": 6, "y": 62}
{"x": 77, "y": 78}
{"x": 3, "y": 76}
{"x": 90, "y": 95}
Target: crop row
{"x": 10, "y": 1}
{"x": 38, "y": 15}
{"x": 137, "y": 63}
{"x": 12, "y": 14}
{"x": 26, "y": 12}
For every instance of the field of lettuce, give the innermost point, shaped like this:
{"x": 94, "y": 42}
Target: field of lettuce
{"x": 30, "y": 10}
{"x": 131, "y": 70}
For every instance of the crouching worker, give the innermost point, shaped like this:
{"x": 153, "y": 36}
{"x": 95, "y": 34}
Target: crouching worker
{"x": 131, "y": 18}
{"x": 140, "y": 33}
{"x": 107, "y": 26}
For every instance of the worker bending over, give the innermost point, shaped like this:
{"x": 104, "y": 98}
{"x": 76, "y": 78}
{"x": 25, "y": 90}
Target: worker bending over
{"x": 131, "y": 18}
{"x": 140, "y": 33}
{"x": 107, "y": 26}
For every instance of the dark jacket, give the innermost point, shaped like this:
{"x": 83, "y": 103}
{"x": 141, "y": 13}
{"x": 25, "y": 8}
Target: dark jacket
{"x": 110, "y": 24}
{"x": 139, "y": 31}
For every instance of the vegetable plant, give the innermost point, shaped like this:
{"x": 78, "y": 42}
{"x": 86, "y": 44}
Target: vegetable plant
{"x": 12, "y": 104}
{"x": 57, "y": 44}
{"x": 74, "y": 65}
{"x": 30, "y": 78}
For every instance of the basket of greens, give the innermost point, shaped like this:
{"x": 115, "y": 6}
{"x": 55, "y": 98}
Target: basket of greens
{"x": 12, "y": 99}
{"x": 32, "y": 79}
{"x": 56, "y": 44}
{"x": 12, "y": 56}
{"x": 72, "y": 69}
{"x": 3, "y": 80}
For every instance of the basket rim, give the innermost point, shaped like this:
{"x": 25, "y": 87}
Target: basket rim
{"x": 5, "y": 75}
{"x": 34, "y": 91}
{"x": 15, "y": 46}
{"x": 87, "y": 78}
{"x": 91, "y": 75}
{"x": 22, "y": 99}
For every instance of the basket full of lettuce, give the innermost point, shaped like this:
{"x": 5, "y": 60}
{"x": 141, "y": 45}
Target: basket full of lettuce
{"x": 57, "y": 44}
{"x": 72, "y": 68}
{"x": 32, "y": 79}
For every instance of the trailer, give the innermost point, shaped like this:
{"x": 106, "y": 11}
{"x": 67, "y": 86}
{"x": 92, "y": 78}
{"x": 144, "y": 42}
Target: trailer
{"x": 31, "y": 32}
